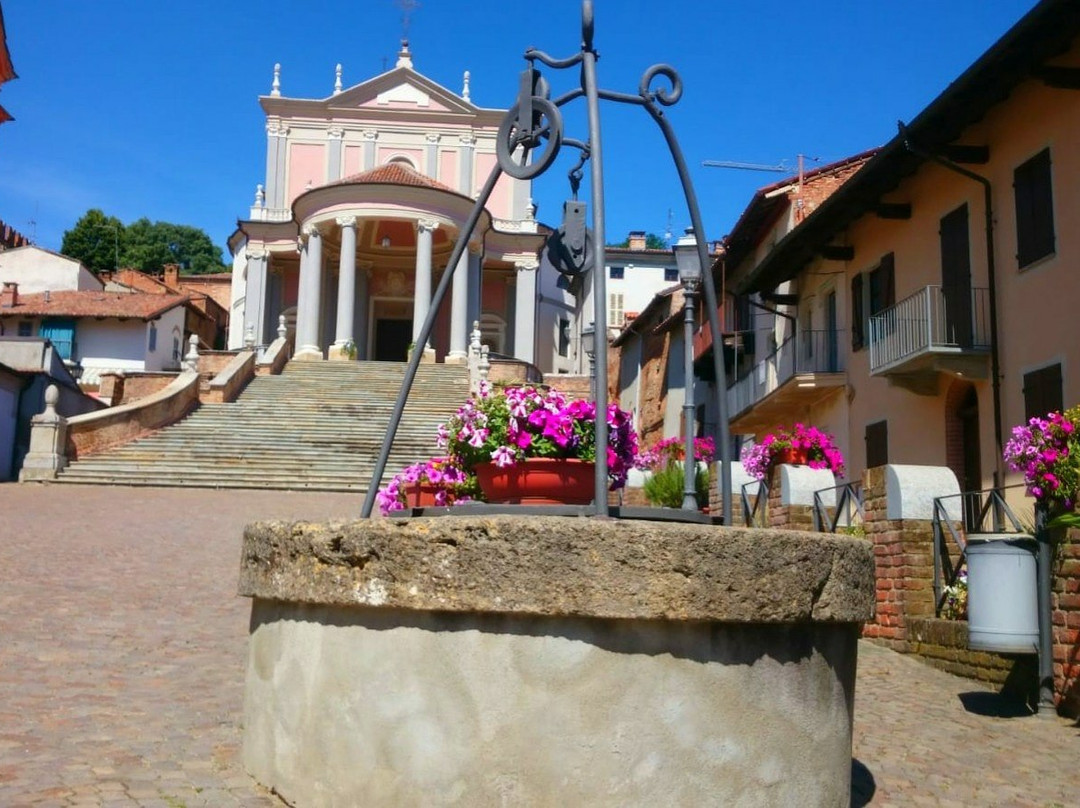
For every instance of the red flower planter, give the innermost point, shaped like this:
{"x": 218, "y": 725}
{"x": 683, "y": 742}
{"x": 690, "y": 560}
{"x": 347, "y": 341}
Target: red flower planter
{"x": 538, "y": 481}
{"x": 792, "y": 456}
{"x": 420, "y": 495}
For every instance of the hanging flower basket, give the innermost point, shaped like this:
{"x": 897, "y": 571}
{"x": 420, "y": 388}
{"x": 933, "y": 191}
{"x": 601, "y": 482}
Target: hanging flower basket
{"x": 538, "y": 481}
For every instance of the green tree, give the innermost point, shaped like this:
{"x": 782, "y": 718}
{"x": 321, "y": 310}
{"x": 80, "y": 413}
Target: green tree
{"x": 143, "y": 244}
{"x": 96, "y": 239}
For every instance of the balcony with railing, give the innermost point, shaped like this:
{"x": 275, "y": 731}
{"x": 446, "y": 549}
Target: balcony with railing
{"x": 804, "y": 370}
{"x": 934, "y": 330}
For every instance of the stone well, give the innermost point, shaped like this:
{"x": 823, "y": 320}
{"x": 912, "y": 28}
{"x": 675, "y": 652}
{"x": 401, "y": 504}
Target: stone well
{"x": 551, "y": 661}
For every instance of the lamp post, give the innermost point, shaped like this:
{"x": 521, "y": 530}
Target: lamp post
{"x": 689, "y": 264}
{"x": 588, "y": 345}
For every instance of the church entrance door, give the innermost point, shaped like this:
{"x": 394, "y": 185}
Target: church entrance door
{"x": 391, "y": 329}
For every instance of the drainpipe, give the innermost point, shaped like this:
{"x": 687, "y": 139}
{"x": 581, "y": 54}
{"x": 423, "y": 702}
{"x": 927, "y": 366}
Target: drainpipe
{"x": 995, "y": 363}
{"x": 1045, "y": 647}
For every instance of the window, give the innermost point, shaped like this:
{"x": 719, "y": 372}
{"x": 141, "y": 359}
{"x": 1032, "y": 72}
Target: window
{"x": 616, "y": 273}
{"x": 877, "y": 444}
{"x": 1034, "y": 209}
{"x": 26, "y": 328}
{"x": 671, "y": 275}
{"x": 564, "y": 337}
{"x": 615, "y": 314}
{"x": 153, "y": 338}
{"x": 1043, "y": 392}
{"x": 871, "y": 293}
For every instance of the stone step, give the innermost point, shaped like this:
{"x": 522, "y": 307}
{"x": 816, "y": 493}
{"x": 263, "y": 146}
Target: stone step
{"x": 317, "y": 426}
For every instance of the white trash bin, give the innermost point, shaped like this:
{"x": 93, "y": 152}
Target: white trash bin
{"x": 1003, "y": 612}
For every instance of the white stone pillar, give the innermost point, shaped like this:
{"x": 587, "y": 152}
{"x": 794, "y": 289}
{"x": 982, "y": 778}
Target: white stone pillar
{"x": 309, "y": 296}
{"x": 346, "y": 296}
{"x": 255, "y": 294}
{"x": 475, "y": 281}
{"x": 425, "y": 231}
{"x": 459, "y": 313}
{"x": 525, "y": 309}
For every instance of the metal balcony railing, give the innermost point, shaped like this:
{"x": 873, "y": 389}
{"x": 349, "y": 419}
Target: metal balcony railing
{"x": 933, "y": 320}
{"x": 815, "y": 351}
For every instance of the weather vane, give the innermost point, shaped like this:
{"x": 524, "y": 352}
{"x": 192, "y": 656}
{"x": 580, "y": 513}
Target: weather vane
{"x": 407, "y": 8}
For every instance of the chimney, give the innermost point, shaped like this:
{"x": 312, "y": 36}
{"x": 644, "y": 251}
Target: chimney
{"x": 637, "y": 240}
{"x": 172, "y": 276}
{"x": 9, "y": 296}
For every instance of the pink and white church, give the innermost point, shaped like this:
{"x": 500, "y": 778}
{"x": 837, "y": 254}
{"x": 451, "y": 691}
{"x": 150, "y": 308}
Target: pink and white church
{"x": 366, "y": 193}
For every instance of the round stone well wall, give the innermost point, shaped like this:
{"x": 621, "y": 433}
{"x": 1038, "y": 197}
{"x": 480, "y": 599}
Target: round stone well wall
{"x": 551, "y": 660}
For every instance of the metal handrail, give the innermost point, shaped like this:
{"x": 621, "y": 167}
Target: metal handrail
{"x": 754, "y": 514}
{"x": 849, "y": 501}
{"x": 976, "y": 506}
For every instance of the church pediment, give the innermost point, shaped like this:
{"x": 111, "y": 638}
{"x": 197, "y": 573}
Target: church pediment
{"x": 401, "y": 89}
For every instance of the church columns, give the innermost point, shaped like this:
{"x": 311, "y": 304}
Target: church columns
{"x": 422, "y": 297}
{"x": 459, "y": 312}
{"x": 309, "y": 295}
{"x": 255, "y": 296}
{"x": 475, "y": 281}
{"x": 525, "y": 309}
{"x": 346, "y": 294}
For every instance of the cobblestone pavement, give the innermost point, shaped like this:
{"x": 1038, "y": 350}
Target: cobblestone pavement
{"x": 122, "y": 648}
{"x": 926, "y": 737}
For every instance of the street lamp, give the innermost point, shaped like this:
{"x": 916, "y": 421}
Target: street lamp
{"x": 689, "y": 264}
{"x": 588, "y": 345}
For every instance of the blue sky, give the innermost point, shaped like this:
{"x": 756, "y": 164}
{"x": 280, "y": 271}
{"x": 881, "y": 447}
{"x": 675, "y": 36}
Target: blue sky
{"x": 147, "y": 108}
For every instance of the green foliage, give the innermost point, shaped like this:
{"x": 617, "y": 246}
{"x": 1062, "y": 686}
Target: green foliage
{"x": 664, "y": 487}
{"x": 652, "y": 242}
{"x": 95, "y": 239}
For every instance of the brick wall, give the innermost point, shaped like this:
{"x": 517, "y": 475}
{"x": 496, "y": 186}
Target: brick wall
{"x": 904, "y": 560}
{"x": 944, "y": 644}
{"x": 787, "y": 517}
{"x": 1065, "y": 617}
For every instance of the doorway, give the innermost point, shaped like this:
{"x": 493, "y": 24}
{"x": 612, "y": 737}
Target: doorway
{"x": 391, "y": 329}
{"x": 962, "y": 440}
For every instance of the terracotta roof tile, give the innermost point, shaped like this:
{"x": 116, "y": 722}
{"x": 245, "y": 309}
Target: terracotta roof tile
{"x": 394, "y": 174}
{"x": 94, "y": 304}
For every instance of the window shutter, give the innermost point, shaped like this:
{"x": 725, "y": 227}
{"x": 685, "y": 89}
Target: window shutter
{"x": 877, "y": 444}
{"x": 1033, "y": 195}
{"x": 888, "y": 281}
{"x": 857, "y": 312}
{"x": 1043, "y": 392}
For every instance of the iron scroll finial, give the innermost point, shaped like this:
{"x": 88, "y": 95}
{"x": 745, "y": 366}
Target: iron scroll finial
{"x": 662, "y": 95}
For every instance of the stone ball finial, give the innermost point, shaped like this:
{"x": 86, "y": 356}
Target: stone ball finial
{"x": 275, "y": 87}
{"x": 52, "y": 398}
{"x": 337, "y": 78}
{"x": 465, "y": 88}
{"x": 282, "y": 329}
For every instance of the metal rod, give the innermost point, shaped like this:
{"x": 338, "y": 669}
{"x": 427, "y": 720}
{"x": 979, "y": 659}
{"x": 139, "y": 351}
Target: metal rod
{"x": 422, "y": 339}
{"x": 689, "y": 502}
{"x": 710, "y": 305}
{"x": 1046, "y": 628}
{"x": 588, "y": 75}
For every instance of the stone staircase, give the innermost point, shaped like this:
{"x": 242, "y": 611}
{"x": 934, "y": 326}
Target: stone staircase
{"x": 318, "y": 426}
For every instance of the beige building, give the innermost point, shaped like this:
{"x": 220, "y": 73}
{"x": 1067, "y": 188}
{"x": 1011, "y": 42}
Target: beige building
{"x": 947, "y": 261}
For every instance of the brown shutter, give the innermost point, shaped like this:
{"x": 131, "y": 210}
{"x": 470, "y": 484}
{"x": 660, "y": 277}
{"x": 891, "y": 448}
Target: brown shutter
{"x": 888, "y": 281}
{"x": 1042, "y": 392}
{"x": 877, "y": 444}
{"x": 857, "y": 317}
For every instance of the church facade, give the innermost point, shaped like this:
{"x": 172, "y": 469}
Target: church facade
{"x": 366, "y": 193}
